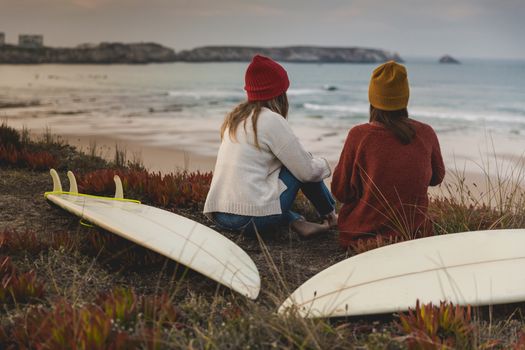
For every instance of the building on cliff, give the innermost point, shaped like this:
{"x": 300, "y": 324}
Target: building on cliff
{"x": 2, "y": 38}
{"x": 30, "y": 41}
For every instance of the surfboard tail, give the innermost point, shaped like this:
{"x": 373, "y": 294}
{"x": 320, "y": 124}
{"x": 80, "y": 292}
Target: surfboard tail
{"x": 176, "y": 237}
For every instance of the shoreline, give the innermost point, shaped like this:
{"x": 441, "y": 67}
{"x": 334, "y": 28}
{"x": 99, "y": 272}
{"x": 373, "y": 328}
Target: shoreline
{"x": 471, "y": 151}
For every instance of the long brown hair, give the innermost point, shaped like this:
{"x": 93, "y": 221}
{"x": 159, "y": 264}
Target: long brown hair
{"x": 395, "y": 121}
{"x": 243, "y": 111}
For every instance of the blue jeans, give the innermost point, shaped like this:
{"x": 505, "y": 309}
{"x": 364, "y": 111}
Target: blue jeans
{"x": 316, "y": 192}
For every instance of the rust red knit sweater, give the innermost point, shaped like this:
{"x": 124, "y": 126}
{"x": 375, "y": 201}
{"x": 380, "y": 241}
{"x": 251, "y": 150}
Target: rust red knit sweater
{"x": 383, "y": 184}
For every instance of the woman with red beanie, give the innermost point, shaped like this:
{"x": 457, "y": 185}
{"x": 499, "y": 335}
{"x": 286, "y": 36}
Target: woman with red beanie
{"x": 387, "y": 165}
{"x": 261, "y": 164}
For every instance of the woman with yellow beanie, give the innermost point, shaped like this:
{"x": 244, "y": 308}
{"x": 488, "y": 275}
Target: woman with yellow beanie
{"x": 387, "y": 165}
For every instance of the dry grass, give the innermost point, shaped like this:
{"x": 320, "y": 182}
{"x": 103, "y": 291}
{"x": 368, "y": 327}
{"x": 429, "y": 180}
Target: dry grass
{"x": 496, "y": 203}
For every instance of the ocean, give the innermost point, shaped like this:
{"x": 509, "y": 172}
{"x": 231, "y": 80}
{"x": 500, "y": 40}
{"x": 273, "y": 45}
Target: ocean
{"x": 183, "y": 104}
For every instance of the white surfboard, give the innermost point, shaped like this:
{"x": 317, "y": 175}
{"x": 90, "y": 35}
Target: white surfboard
{"x": 476, "y": 268}
{"x": 176, "y": 237}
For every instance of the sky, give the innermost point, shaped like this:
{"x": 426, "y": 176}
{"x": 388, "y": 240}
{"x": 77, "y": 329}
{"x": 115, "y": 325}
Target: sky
{"x": 431, "y": 28}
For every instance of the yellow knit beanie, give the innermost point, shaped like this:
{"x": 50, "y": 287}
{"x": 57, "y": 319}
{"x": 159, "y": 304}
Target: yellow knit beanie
{"x": 389, "y": 87}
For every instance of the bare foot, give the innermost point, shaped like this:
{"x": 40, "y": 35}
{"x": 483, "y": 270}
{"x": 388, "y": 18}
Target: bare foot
{"x": 307, "y": 229}
{"x": 331, "y": 220}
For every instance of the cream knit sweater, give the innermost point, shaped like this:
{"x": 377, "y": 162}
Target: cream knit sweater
{"x": 246, "y": 179}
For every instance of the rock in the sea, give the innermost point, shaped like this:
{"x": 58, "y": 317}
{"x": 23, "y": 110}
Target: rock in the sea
{"x": 448, "y": 59}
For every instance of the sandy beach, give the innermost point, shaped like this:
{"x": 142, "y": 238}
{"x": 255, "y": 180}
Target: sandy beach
{"x": 168, "y": 145}
{"x": 190, "y": 145}
{"x": 155, "y": 158}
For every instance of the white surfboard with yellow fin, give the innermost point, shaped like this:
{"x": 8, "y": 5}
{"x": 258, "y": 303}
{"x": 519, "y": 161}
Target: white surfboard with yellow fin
{"x": 176, "y": 237}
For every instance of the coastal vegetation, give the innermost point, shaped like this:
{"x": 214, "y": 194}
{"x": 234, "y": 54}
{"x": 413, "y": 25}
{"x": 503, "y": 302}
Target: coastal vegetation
{"x": 67, "y": 286}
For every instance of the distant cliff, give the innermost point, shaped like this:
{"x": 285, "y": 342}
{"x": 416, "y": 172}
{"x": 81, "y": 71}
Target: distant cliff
{"x": 101, "y": 53}
{"x": 304, "y": 54}
{"x": 153, "y": 53}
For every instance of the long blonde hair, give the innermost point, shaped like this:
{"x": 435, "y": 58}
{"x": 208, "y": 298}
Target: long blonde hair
{"x": 243, "y": 111}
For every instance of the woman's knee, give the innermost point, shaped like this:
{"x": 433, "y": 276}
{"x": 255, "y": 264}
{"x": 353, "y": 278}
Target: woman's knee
{"x": 231, "y": 222}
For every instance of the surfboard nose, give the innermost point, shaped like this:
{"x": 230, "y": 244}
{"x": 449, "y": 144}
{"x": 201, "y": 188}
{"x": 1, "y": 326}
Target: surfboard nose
{"x": 289, "y": 306}
{"x": 285, "y": 306}
{"x": 248, "y": 282}
{"x": 253, "y": 293}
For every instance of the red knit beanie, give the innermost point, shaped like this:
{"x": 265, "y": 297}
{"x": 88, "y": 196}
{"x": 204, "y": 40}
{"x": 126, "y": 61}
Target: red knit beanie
{"x": 265, "y": 79}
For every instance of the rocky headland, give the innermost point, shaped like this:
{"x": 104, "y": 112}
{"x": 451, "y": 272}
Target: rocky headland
{"x": 137, "y": 53}
{"x": 306, "y": 54}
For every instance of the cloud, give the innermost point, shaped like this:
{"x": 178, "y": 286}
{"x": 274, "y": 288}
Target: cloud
{"x": 90, "y": 4}
{"x": 463, "y": 27}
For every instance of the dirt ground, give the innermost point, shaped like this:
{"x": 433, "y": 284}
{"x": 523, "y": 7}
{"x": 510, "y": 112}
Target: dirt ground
{"x": 23, "y": 207}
